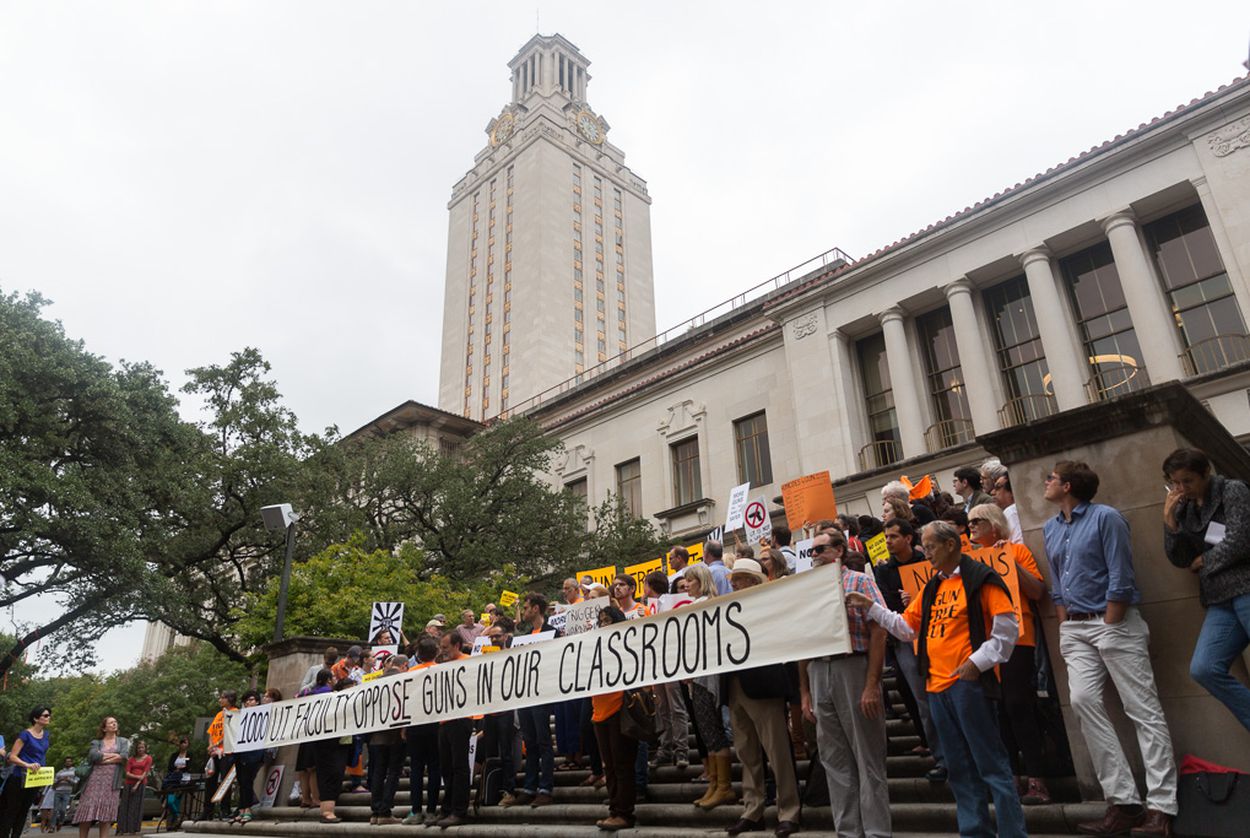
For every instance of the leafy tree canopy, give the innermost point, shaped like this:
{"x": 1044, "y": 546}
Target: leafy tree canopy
{"x": 332, "y": 594}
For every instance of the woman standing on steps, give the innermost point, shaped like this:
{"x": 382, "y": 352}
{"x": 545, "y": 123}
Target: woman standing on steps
{"x": 618, "y": 751}
{"x": 705, "y": 701}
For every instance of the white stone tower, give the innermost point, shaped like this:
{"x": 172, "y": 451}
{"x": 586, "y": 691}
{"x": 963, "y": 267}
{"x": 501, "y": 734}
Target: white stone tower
{"x": 549, "y": 245}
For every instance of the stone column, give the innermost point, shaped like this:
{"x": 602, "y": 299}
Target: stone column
{"x": 975, "y": 364}
{"x": 1147, "y": 305}
{"x": 816, "y": 397}
{"x": 1069, "y": 370}
{"x": 850, "y": 432}
{"x": 1236, "y": 277}
{"x": 903, "y": 383}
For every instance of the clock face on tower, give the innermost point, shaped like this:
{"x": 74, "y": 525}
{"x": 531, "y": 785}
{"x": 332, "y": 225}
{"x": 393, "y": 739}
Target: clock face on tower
{"x": 504, "y": 126}
{"x": 589, "y": 126}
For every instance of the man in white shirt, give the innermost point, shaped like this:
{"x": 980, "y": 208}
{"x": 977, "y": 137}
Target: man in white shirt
{"x": 1005, "y": 500}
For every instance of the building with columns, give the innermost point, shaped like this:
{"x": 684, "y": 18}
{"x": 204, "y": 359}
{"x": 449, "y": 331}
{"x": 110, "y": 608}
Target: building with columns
{"x": 549, "y": 244}
{"x": 1125, "y": 266}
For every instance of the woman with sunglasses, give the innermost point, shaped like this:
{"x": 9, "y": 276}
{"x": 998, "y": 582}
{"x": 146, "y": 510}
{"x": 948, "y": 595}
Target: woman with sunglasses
{"x": 990, "y": 533}
{"x": 27, "y": 754}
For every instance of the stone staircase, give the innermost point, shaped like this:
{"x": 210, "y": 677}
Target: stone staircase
{"x": 919, "y": 808}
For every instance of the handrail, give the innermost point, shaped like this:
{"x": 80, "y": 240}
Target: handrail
{"x": 1111, "y": 380}
{"x": 947, "y": 433}
{"x": 832, "y": 256}
{"x": 1024, "y": 409}
{"x": 883, "y": 453}
{"x": 1215, "y": 353}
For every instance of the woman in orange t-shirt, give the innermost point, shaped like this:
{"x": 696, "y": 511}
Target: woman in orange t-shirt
{"x": 619, "y": 751}
{"x": 1018, "y": 710}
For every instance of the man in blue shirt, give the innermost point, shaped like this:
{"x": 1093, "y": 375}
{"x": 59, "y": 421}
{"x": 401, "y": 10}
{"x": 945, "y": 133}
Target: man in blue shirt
{"x": 715, "y": 552}
{"x": 1102, "y": 633}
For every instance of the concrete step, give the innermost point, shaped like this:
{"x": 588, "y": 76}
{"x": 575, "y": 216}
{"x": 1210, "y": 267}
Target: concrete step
{"x": 902, "y": 790}
{"x": 486, "y": 830}
{"x": 1058, "y": 818}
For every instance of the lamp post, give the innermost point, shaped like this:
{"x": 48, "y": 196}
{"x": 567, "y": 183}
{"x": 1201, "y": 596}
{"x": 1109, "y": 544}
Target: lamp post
{"x": 280, "y": 516}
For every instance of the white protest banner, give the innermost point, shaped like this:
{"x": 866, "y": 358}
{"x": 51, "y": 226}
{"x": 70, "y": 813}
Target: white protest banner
{"x": 386, "y": 616}
{"x": 582, "y": 617}
{"x": 273, "y": 781}
{"x": 527, "y": 639}
{"x": 759, "y": 523}
{"x": 794, "y": 618}
{"x": 737, "y": 505}
{"x": 803, "y": 555}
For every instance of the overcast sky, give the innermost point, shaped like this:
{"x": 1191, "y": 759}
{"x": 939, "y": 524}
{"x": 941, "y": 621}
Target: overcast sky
{"x": 184, "y": 179}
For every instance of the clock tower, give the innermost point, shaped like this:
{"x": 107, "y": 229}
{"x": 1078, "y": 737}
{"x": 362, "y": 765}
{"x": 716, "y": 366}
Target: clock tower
{"x": 549, "y": 245}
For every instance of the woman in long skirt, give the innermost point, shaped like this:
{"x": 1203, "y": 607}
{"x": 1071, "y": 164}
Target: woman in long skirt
{"x": 100, "y": 793}
{"x": 130, "y": 809}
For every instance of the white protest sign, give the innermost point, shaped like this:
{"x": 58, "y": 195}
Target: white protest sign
{"x": 480, "y": 642}
{"x": 528, "y": 639}
{"x": 473, "y": 751}
{"x": 670, "y": 601}
{"x": 273, "y": 781}
{"x": 795, "y": 618}
{"x": 759, "y": 524}
{"x": 388, "y": 616}
{"x": 224, "y": 788}
{"x": 582, "y": 617}
{"x": 392, "y": 648}
{"x": 737, "y": 505}
{"x": 803, "y": 555}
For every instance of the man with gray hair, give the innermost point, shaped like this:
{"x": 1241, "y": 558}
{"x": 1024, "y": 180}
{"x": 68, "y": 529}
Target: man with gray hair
{"x": 957, "y": 658}
{"x": 898, "y": 489}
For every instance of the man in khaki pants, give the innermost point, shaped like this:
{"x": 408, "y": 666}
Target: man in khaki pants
{"x": 1102, "y": 633}
{"x": 757, "y": 709}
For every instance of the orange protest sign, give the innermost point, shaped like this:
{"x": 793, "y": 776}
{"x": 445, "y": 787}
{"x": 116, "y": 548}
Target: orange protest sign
{"x": 1003, "y": 562}
{"x": 639, "y": 571}
{"x": 809, "y": 499}
{"x": 915, "y": 576}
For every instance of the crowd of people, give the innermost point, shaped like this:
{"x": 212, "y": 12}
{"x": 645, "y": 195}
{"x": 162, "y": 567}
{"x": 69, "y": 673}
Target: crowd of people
{"x": 969, "y": 659}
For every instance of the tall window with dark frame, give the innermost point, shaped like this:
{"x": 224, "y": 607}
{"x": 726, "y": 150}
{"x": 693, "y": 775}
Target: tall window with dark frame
{"x": 1211, "y": 326}
{"x": 947, "y": 389}
{"x": 755, "y": 464}
{"x": 1102, "y": 314}
{"x": 687, "y": 484}
{"x": 578, "y": 489}
{"x": 629, "y": 486}
{"x": 1018, "y": 345}
{"x": 879, "y": 401}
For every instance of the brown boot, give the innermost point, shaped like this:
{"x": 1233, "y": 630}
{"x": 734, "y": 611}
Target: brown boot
{"x": 709, "y": 766}
{"x": 1117, "y": 821}
{"x": 724, "y": 792}
{"x": 1155, "y": 825}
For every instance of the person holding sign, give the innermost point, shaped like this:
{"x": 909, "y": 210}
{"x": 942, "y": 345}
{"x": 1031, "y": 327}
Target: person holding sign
{"x": 536, "y": 721}
{"x": 842, "y": 695}
{"x": 27, "y": 754}
{"x": 102, "y": 791}
{"x": 618, "y": 750}
{"x": 965, "y": 625}
{"x": 991, "y": 533}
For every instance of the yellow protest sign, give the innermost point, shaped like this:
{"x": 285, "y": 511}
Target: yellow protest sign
{"x": 40, "y": 777}
{"x": 696, "y": 552}
{"x": 639, "y": 571}
{"x": 485, "y": 618}
{"x": 878, "y": 552}
{"x": 373, "y": 676}
{"x": 809, "y": 499}
{"x": 603, "y": 575}
{"x": 507, "y": 599}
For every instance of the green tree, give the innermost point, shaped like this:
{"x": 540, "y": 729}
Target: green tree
{"x": 92, "y": 460}
{"x": 472, "y": 513}
{"x": 332, "y": 594}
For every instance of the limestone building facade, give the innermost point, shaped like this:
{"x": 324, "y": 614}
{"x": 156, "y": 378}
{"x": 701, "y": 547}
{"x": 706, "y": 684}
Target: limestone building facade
{"x": 548, "y": 247}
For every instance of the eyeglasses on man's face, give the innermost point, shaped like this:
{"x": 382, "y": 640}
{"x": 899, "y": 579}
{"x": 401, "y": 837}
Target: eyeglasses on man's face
{"x": 820, "y": 548}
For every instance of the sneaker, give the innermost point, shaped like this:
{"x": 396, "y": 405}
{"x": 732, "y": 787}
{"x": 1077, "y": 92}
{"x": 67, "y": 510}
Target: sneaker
{"x": 431, "y": 818}
{"x": 451, "y": 820}
{"x": 936, "y": 775}
{"x": 413, "y": 819}
{"x": 515, "y": 798}
{"x": 683, "y": 762}
{"x": 1035, "y": 793}
{"x": 542, "y": 799}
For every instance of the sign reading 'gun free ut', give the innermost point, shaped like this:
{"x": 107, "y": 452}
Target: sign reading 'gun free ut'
{"x": 792, "y": 619}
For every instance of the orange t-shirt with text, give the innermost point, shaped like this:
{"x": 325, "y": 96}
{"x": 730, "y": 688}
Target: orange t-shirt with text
{"x": 949, "y": 641}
